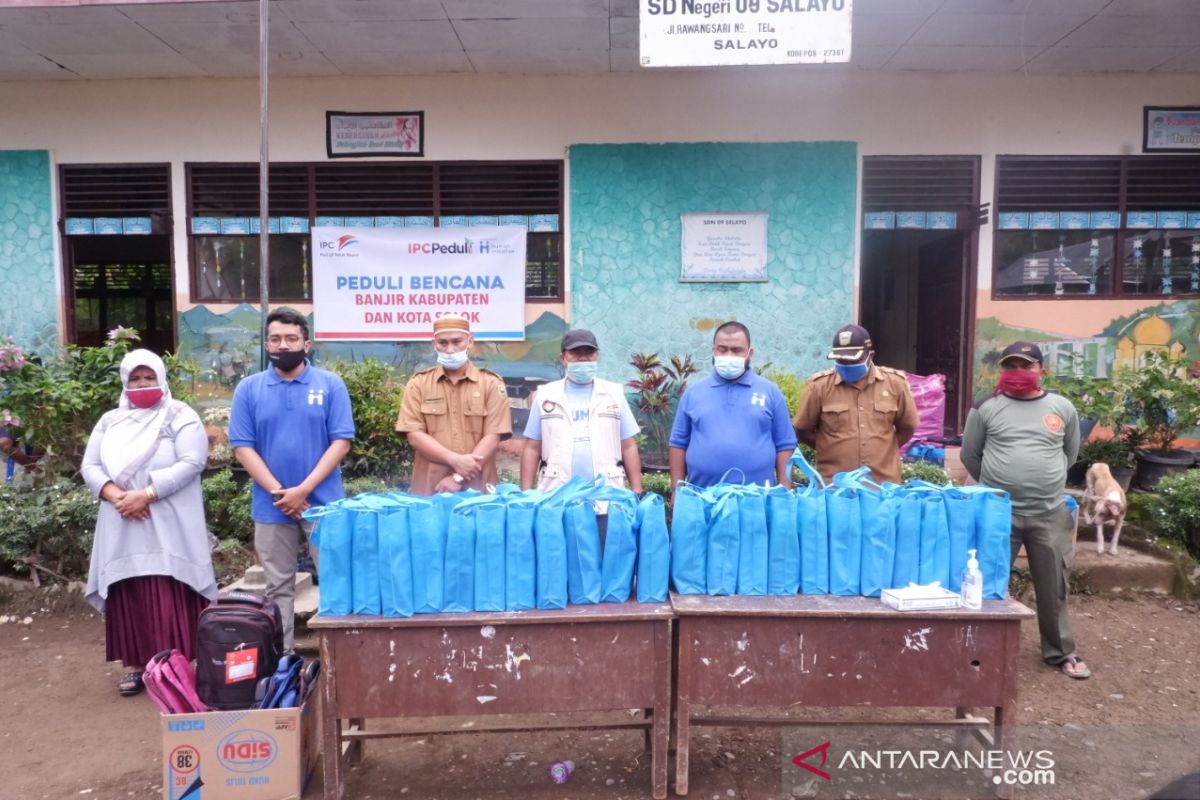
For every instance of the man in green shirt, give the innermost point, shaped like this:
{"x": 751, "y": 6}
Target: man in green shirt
{"x": 1022, "y": 440}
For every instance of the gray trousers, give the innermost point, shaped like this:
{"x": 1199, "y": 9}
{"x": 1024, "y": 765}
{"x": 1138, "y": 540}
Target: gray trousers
{"x": 1048, "y": 546}
{"x": 278, "y": 547}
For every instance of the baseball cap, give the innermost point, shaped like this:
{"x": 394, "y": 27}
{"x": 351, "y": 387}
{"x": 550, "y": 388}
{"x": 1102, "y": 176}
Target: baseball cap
{"x": 1027, "y": 351}
{"x": 850, "y": 343}
{"x": 578, "y": 338}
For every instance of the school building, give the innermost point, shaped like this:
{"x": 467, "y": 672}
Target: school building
{"x": 980, "y": 171}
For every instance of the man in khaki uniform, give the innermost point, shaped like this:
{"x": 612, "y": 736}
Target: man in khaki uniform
{"x": 455, "y": 415}
{"x": 856, "y": 414}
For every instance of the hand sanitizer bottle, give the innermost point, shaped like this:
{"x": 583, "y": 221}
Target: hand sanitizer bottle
{"x": 972, "y": 583}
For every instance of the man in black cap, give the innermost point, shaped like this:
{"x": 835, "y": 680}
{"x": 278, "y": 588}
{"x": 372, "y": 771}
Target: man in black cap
{"x": 858, "y": 413}
{"x": 580, "y": 425}
{"x": 1022, "y": 440}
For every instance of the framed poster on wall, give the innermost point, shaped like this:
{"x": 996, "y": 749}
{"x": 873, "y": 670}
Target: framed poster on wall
{"x": 724, "y": 246}
{"x": 356, "y": 134}
{"x": 1171, "y": 129}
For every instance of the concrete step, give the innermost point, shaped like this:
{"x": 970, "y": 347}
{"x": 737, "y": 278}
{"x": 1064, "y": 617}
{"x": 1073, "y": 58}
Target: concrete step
{"x": 1129, "y": 570}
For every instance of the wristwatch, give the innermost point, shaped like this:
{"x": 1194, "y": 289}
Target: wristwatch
{"x": 459, "y": 479}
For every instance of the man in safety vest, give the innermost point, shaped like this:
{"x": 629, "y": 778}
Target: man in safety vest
{"x": 580, "y": 425}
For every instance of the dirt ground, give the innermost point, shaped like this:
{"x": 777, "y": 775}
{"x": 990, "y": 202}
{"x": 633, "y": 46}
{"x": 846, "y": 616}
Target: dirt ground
{"x": 1133, "y": 727}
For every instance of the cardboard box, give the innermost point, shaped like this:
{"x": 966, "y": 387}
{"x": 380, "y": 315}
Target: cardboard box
{"x": 240, "y": 755}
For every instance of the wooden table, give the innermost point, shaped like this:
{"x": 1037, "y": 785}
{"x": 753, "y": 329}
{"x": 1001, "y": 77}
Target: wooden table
{"x": 606, "y": 657}
{"x": 776, "y": 652}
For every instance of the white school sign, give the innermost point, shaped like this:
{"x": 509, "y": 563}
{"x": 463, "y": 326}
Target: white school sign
{"x": 380, "y": 284}
{"x": 699, "y": 33}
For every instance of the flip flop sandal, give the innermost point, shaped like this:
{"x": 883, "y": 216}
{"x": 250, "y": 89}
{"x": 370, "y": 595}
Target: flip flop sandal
{"x": 131, "y": 684}
{"x": 1072, "y": 669}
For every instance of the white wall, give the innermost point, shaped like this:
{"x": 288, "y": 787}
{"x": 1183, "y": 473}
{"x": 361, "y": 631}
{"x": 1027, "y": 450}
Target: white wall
{"x": 494, "y": 117}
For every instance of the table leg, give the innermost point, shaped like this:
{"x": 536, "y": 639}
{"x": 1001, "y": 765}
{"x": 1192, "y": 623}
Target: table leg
{"x": 354, "y": 754}
{"x": 331, "y": 726}
{"x": 660, "y": 730}
{"x": 683, "y": 707}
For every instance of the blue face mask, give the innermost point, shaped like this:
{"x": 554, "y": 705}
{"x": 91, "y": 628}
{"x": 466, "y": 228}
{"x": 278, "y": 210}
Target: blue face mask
{"x": 581, "y": 371}
{"x": 729, "y": 367}
{"x": 853, "y": 373}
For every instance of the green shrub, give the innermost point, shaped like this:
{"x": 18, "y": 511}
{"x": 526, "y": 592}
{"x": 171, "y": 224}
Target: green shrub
{"x": 54, "y": 524}
{"x": 364, "y": 484}
{"x": 925, "y": 471}
{"x": 1115, "y": 452}
{"x": 657, "y": 482}
{"x": 791, "y": 386}
{"x": 1177, "y": 515}
{"x": 375, "y": 395}
{"x": 227, "y": 507}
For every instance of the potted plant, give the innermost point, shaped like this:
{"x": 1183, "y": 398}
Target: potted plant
{"x": 1165, "y": 401}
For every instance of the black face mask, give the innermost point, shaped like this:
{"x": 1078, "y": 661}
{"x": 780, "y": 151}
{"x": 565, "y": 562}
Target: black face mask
{"x": 286, "y": 360}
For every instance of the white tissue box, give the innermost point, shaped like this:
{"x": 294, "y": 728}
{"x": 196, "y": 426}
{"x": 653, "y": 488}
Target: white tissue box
{"x": 920, "y": 598}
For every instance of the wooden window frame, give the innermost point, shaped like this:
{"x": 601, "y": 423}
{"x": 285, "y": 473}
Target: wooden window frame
{"x": 435, "y": 210}
{"x": 1120, "y": 234}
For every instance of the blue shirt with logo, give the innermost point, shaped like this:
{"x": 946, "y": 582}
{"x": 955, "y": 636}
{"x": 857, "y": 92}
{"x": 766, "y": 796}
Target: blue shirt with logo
{"x": 741, "y": 423}
{"x": 291, "y": 424}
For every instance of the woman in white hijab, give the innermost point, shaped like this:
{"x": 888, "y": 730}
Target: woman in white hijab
{"x": 151, "y": 570}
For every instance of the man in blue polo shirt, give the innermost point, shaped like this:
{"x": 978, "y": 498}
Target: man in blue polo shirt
{"x": 290, "y": 427}
{"x": 735, "y": 418}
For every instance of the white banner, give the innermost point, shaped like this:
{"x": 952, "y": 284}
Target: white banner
{"x": 724, "y": 247}
{"x": 392, "y": 283}
{"x": 698, "y": 33}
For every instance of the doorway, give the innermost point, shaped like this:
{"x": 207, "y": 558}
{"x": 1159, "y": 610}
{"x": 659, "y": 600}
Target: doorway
{"x": 915, "y": 304}
{"x": 121, "y": 280}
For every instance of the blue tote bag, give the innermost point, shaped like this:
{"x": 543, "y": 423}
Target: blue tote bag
{"x": 459, "y": 582}
{"x": 812, "y": 529}
{"x": 654, "y": 550}
{"x": 395, "y": 559}
{"x": 724, "y": 542}
{"x": 844, "y": 519}
{"x": 364, "y": 553}
{"x": 906, "y": 567}
{"x": 689, "y": 539}
{"x": 783, "y": 542}
{"x": 960, "y": 519}
{"x": 333, "y": 536}
{"x": 620, "y": 551}
{"x": 520, "y": 553}
{"x": 490, "y": 565}
{"x": 993, "y": 537}
{"x": 550, "y": 541}
{"x": 583, "y": 550}
{"x": 427, "y": 537}
{"x": 754, "y": 547}
{"x": 935, "y": 539}
{"x": 878, "y": 510}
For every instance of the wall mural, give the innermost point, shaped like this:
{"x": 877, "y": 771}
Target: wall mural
{"x": 225, "y": 346}
{"x": 1097, "y": 346}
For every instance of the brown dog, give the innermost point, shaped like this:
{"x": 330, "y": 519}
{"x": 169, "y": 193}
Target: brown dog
{"x": 1103, "y": 504}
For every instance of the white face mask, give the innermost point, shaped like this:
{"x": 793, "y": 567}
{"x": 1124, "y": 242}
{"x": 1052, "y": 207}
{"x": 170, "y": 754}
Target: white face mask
{"x": 729, "y": 367}
{"x": 452, "y": 361}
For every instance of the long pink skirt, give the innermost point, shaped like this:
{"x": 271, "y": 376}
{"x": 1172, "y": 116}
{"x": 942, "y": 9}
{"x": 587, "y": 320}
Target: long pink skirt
{"x": 147, "y": 614}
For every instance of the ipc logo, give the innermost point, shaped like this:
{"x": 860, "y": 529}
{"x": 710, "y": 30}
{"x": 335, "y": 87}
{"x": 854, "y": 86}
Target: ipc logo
{"x": 247, "y": 750}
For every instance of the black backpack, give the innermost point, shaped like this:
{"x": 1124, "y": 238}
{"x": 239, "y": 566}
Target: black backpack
{"x": 239, "y": 640}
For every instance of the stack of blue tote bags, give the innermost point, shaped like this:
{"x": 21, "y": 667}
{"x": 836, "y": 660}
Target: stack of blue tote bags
{"x": 851, "y": 537}
{"x": 394, "y": 554}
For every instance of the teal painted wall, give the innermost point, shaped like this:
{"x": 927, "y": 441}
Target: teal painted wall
{"x": 30, "y": 311}
{"x": 625, "y": 247}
